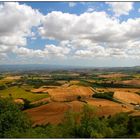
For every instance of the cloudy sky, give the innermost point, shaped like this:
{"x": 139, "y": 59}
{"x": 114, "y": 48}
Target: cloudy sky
{"x": 70, "y": 33}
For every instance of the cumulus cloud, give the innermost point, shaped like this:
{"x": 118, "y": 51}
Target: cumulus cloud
{"x": 121, "y": 8}
{"x": 99, "y": 35}
{"x": 90, "y": 34}
{"x": 16, "y": 24}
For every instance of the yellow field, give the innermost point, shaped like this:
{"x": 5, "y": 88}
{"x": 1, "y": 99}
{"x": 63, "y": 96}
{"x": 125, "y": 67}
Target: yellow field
{"x": 128, "y": 97}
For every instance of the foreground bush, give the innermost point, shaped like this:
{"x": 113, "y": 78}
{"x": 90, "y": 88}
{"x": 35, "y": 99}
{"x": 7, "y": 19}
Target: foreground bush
{"x": 12, "y": 120}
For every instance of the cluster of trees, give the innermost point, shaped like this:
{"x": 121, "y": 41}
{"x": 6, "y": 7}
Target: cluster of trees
{"x": 113, "y": 85}
{"x": 104, "y": 95}
{"x": 39, "y": 82}
{"x": 2, "y": 87}
{"x": 64, "y": 77}
{"x": 14, "y": 124}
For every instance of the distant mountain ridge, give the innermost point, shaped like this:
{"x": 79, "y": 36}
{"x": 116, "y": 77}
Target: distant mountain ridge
{"x": 37, "y": 67}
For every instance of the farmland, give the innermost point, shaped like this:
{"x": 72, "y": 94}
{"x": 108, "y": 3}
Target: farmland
{"x": 48, "y": 95}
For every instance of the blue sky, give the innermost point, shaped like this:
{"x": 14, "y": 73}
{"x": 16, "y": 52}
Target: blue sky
{"x": 70, "y": 33}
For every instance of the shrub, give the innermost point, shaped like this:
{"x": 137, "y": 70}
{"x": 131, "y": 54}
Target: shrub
{"x": 104, "y": 95}
{"x": 12, "y": 120}
{"x": 2, "y": 87}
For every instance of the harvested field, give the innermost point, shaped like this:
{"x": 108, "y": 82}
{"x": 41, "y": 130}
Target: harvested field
{"x": 74, "y": 82}
{"x": 128, "y": 97}
{"x": 39, "y": 90}
{"x": 76, "y": 106}
{"x": 118, "y": 89}
{"x": 132, "y": 82}
{"x": 12, "y": 78}
{"x": 53, "y": 112}
{"x": 106, "y": 107}
{"x": 70, "y": 93}
{"x": 44, "y": 100}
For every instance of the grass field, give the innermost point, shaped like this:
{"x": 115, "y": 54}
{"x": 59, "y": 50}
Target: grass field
{"x": 18, "y": 92}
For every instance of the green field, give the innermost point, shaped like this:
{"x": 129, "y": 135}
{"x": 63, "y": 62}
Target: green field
{"x": 18, "y": 92}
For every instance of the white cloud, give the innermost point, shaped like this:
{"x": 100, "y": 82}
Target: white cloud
{"x": 90, "y": 34}
{"x": 98, "y": 36}
{"x": 57, "y": 50}
{"x": 16, "y": 25}
{"x": 72, "y": 4}
{"x": 121, "y": 8}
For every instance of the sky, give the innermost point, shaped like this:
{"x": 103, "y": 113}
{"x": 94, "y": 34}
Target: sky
{"x": 93, "y": 34}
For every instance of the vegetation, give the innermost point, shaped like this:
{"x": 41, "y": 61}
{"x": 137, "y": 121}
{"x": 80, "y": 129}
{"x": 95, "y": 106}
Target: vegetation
{"x": 63, "y": 77}
{"x": 38, "y": 82}
{"x": 104, "y": 95}
{"x": 1, "y": 77}
{"x": 19, "y": 92}
{"x": 2, "y": 87}
{"x": 85, "y": 124}
{"x": 113, "y": 85}
{"x": 12, "y": 120}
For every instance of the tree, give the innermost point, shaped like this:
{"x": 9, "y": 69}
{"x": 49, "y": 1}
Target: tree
{"x": 119, "y": 124}
{"x": 12, "y": 120}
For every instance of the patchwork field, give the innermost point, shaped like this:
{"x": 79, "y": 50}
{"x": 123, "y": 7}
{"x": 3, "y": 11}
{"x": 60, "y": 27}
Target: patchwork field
{"x": 132, "y": 82}
{"x": 70, "y": 93}
{"x": 128, "y": 97}
{"x": 53, "y": 112}
{"x": 67, "y": 93}
{"x": 106, "y": 107}
{"x": 50, "y": 98}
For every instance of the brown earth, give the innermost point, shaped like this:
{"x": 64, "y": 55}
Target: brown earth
{"x": 70, "y": 93}
{"x": 132, "y": 82}
{"x": 12, "y": 77}
{"x": 66, "y": 92}
{"x": 128, "y": 97}
{"x": 44, "y": 100}
{"x": 38, "y": 90}
{"x": 105, "y": 107}
{"x": 74, "y": 82}
{"x": 52, "y": 112}
{"x": 118, "y": 89}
